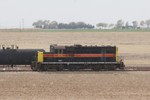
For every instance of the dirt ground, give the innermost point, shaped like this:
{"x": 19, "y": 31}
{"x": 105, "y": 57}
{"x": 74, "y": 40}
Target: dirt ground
{"x": 75, "y": 86}
{"x": 133, "y": 48}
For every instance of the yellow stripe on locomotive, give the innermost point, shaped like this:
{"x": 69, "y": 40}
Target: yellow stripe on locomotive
{"x": 117, "y": 56}
{"x": 40, "y": 56}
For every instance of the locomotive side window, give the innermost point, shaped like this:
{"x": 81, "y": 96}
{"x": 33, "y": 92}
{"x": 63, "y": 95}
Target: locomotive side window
{"x": 59, "y": 51}
{"x": 52, "y": 50}
{"x": 62, "y": 51}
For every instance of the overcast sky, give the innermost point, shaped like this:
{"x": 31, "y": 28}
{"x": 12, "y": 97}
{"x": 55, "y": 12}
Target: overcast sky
{"x": 91, "y": 11}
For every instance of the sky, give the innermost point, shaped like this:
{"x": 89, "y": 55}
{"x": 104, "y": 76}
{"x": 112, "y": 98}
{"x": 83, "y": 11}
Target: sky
{"x": 14, "y": 12}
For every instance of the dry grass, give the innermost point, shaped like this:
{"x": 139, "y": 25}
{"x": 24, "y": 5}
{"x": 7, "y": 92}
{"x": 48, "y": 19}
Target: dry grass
{"x": 130, "y": 44}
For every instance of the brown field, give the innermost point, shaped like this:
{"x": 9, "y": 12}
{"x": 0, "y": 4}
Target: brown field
{"x": 133, "y": 48}
{"x": 75, "y": 86}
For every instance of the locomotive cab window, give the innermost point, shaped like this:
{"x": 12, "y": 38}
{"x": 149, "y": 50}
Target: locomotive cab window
{"x": 59, "y": 51}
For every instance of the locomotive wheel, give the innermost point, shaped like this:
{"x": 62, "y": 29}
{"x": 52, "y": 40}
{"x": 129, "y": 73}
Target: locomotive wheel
{"x": 70, "y": 68}
{"x": 76, "y": 68}
{"x": 96, "y": 68}
{"x": 34, "y": 66}
{"x": 106, "y": 68}
{"x": 43, "y": 68}
{"x": 59, "y": 68}
{"x": 33, "y": 69}
{"x": 39, "y": 67}
{"x": 113, "y": 67}
{"x": 73, "y": 68}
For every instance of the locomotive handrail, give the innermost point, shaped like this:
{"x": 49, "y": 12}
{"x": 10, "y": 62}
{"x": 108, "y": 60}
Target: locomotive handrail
{"x": 9, "y": 47}
{"x": 79, "y": 63}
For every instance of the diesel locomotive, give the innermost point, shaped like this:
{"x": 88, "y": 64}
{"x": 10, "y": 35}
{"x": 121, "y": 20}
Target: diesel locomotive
{"x": 78, "y": 57}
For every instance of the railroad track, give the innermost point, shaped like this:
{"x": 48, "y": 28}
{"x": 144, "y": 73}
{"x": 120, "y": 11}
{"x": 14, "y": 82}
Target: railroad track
{"x": 28, "y": 69}
{"x": 15, "y": 70}
{"x": 126, "y": 69}
{"x": 137, "y": 69}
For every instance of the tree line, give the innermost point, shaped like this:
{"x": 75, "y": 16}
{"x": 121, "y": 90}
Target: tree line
{"x": 120, "y": 24}
{"x": 46, "y": 24}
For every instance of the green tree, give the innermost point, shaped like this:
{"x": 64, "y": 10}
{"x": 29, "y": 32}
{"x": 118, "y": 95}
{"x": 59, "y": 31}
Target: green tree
{"x": 102, "y": 25}
{"x": 119, "y": 24}
{"x": 46, "y": 24}
{"x": 148, "y": 23}
{"x": 135, "y": 24}
{"x": 142, "y": 23}
{"x": 38, "y": 24}
{"x": 53, "y": 25}
{"x": 111, "y": 25}
{"x": 127, "y": 25}
{"x": 72, "y": 25}
{"x": 81, "y": 25}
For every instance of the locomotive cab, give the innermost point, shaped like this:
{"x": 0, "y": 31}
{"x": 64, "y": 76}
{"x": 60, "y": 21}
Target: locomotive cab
{"x": 57, "y": 49}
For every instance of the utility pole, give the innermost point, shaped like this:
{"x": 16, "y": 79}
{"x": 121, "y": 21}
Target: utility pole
{"x": 20, "y": 26}
{"x": 23, "y": 24}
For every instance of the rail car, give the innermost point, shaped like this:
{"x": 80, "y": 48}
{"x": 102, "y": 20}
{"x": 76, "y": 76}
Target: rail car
{"x": 78, "y": 57}
{"x": 12, "y": 56}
